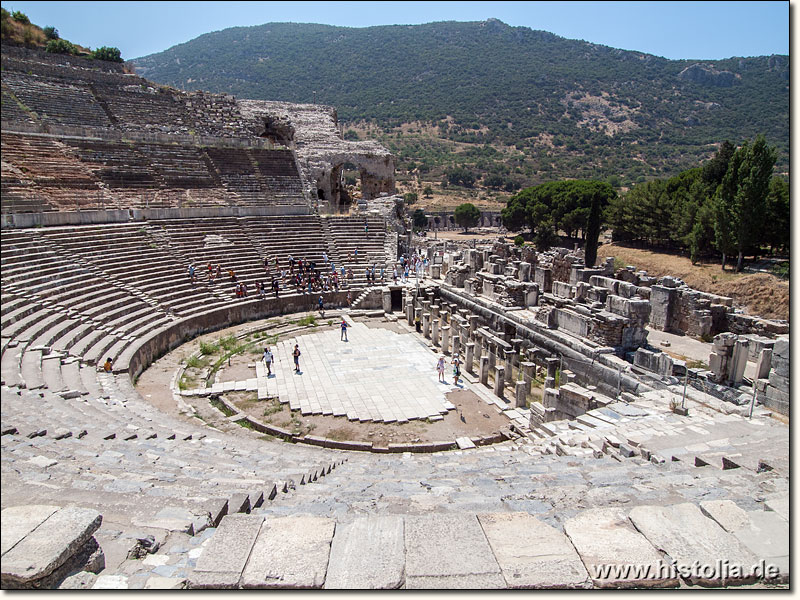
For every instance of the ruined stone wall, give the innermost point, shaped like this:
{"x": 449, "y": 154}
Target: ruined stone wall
{"x": 322, "y": 152}
{"x": 561, "y": 269}
{"x": 777, "y": 396}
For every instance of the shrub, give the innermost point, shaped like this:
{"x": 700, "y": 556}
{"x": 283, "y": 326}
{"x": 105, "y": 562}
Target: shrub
{"x": 206, "y": 348}
{"x": 410, "y": 198}
{"x": 351, "y": 135}
{"x": 60, "y": 47}
{"x": 229, "y": 343}
{"x": 50, "y": 32}
{"x": 20, "y": 17}
{"x": 519, "y": 240}
{"x": 308, "y": 321}
{"x": 107, "y": 53}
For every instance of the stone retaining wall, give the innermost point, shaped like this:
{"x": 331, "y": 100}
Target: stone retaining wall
{"x": 132, "y": 215}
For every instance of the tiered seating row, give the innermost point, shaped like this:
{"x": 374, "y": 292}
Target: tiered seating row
{"x": 58, "y": 101}
{"x": 87, "y": 292}
{"x": 76, "y": 92}
{"x": 45, "y": 172}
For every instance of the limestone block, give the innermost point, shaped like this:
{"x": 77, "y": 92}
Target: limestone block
{"x": 18, "y": 521}
{"x": 604, "y": 536}
{"x": 725, "y": 512}
{"x": 222, "y": 562}
{"x": 532, "y": 554}
{"x": 449, "y": 551}
{"x": 686, "y": 535}
{"x": 290, "y": 552}
{"x": 368, "y": 553}
{"x": 41, "y": 551}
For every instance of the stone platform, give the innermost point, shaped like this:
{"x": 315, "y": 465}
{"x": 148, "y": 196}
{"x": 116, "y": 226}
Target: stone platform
{"x": 377, "y": 375}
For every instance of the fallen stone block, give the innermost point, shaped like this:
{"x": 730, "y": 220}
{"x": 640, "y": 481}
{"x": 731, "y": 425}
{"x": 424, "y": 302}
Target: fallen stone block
{"x": 48, "y": 545}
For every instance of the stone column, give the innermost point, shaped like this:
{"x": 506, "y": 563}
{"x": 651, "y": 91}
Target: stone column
{"x": 509, "y": 366}
{"x": 473, "y": 325}
{"x": 764, "y": 363}
{"x": 521, "y": 392}
{"x": 524, "y": 271}
{"x": 456, "y": 344}
{"x": 444, "y": 315}
{"x": 491, "y": 350}
{"x": 426, "y": 325}
{"x": 446, "y": 339}
{"x": 436, "y": 271}
{"x": 435, "y": 332}
{"x": 499, "y": 378}
{"x": 552, "y": 366}
{"x": 469, "y": 360}
{"x": 528, "y": 373}
{"x": 739, "y": 360}
{"x": 387, "y": 301}
{"x": 483, "y": 373}
{"x": 435, "y": 310}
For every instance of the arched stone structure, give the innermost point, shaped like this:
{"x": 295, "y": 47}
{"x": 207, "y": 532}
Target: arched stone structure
{"x": 313, "y": 132}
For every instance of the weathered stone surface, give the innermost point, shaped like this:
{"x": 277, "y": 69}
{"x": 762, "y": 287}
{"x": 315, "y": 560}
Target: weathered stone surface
{"x": 686, "y": 535}
{"x": 730, "y": 517}
{"x": 222, "y": 563}
{"x": 767, "y": 536}
{"x": 18, "y": 521}
{"x": 368, "y": 553}
{"x": 165, "y": 583}
{"x": 177, "y": 519}
{"x": 449, "y": 551}
{"x": 532, "y": 554}
{"x": 780, "y": 504}
{"x": 49, "y": 545}
{"x": 290, "y": 552}
{"x": 604, "y": 537}
{"x": 111, "y": 582}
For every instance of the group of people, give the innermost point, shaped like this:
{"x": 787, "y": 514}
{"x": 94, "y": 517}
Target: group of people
{"x": 305, "y": 277}
{"x": 269, "y": 358}
{"x": 440, "y": 367}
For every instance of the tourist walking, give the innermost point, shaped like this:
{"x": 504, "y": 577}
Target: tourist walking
{"x": 321, "y": 304}
{"x": 440, "y": 369}
{"x": 343, "y": 336}
{"x": 456, "y": 369}
{"x": 296, "y": 355}
{"x": 268, "y": 360}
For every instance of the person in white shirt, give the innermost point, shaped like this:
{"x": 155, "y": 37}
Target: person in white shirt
{"x": 268, "y": 360}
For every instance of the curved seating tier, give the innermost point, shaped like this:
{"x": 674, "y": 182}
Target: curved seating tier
{"x": 50, "y": 172}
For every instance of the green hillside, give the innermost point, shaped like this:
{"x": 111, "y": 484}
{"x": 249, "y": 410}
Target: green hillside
{"x": 512, "y": 105}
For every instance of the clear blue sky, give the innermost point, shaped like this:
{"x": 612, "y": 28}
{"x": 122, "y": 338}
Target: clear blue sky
{"x": 691, "y": 30}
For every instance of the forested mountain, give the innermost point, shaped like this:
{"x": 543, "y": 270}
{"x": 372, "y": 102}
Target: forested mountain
{"x": 520, "y": 105}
